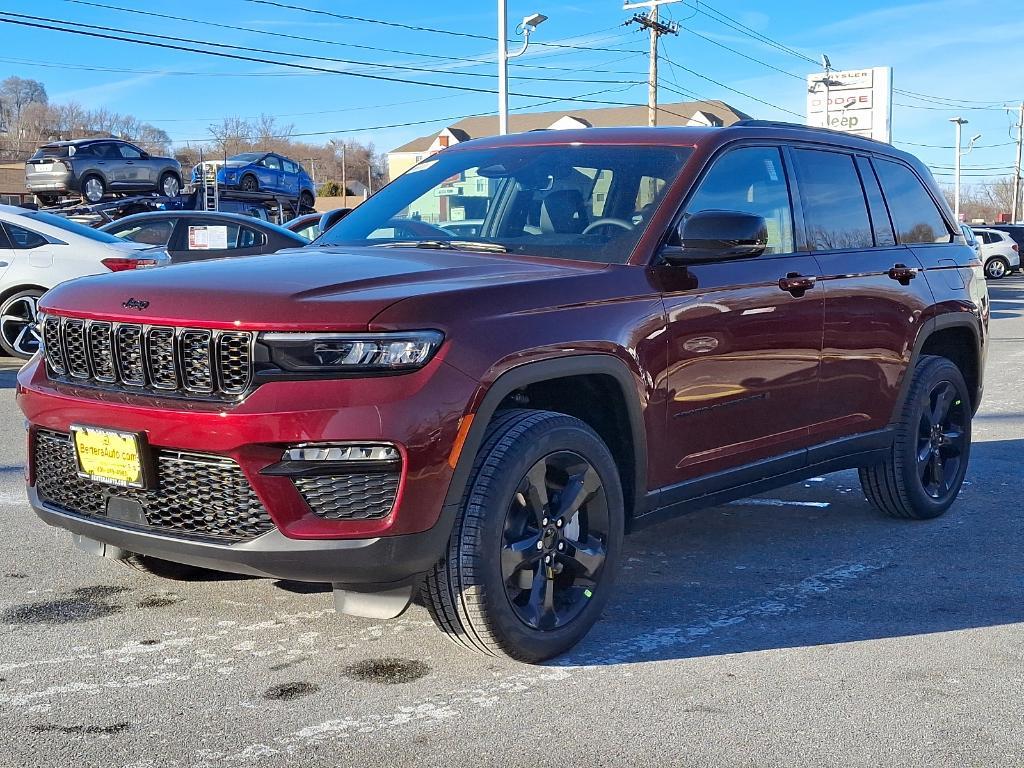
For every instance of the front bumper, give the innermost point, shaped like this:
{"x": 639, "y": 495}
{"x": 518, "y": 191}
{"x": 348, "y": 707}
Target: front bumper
{"x": 419, "y": 412}
{"x": 354, "y": 563}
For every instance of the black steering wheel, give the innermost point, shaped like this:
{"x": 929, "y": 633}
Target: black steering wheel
{"x": 621, "y": 223}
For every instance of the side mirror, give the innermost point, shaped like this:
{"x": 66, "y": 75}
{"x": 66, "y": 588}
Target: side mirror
{"x": 145, "y": 155}
{"x": 718, "y": 235}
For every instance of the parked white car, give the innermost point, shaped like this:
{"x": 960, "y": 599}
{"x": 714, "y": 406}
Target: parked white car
{"x": 999, "y": 252}
{"x": 39, "y": 250}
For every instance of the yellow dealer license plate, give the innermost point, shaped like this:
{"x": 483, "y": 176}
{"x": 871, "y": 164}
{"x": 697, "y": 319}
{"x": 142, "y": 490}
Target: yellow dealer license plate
{"x": 108, "y": 456}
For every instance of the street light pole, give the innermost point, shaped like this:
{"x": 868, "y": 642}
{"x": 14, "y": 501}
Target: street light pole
{"x": 959, "y": 122}
{"x": 526, "y": 28}
{"x": 502, "y": 67}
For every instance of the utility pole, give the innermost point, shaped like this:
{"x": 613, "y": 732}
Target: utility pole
{"x": 1016, "y": 168}
{"x": 651, "y": 23}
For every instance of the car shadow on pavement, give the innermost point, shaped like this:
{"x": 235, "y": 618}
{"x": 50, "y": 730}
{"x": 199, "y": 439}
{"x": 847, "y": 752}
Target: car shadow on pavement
{"x": 1007, "y": 297}
{"x": 759, "y": 575}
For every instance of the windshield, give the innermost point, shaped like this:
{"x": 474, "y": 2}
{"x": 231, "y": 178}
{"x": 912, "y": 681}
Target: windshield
{"x": 247, "y": 157}
{"x": 588, "y": 203}
{"x": 72, "y": 226}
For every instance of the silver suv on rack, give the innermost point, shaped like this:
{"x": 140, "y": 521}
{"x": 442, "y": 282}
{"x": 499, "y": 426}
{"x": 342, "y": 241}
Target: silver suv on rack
{"x": 95, "y": 168}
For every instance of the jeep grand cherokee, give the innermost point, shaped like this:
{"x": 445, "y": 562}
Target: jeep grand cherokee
{"x": 648, "y": 321}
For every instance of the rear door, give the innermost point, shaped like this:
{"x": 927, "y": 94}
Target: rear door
{"x": 744, "y": 335}
{"x": 289, "y": 177}
{"x": 874, "y": 296}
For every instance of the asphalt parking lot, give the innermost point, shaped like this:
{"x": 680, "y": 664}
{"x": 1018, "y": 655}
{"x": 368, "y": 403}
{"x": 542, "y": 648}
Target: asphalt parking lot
{"x": 795, "y": 629}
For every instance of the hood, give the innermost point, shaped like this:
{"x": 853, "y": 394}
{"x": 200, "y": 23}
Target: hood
{"x": 304, "y": 289}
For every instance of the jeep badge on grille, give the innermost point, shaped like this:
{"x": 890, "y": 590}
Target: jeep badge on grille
{"x": 134, "y": 303}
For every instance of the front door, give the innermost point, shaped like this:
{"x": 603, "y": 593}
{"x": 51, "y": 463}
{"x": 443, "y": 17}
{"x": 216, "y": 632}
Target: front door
{"x": 744, "y": 335}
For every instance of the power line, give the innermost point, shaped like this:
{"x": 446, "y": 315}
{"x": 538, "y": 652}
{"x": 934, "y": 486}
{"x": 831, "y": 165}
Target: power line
{"x": 412, "y": 27}
{"x": 432, "y": 121}
{"x": 294, "y": 65}
{"x": 729, "y": 21}
{"x": 950, "y": 146}
{"x": 734, "y": 90}
{"x": 271, "y": 52}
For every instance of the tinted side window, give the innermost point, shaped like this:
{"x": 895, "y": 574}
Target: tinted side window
{"x": 290, "y": 167}
{"x": 249, "y": 238}
{"x": 24, "y": 239}
{"x": 835, "y": 212}
{"x": 750, "y": 180}
{"x": 150, "y": 233}
{"x": 881, "y": 224}
{"x": 914, "y": 213}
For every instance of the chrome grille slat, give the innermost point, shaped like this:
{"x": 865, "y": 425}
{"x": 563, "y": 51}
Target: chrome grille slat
{"x": 185, "y": 362}
{"x": 76, "y": 355}
{"x": 129, "y": 355}
{"x": 51, "y": 342}
{"x": 101, "y": 352}
{"x": 161, "y": 365}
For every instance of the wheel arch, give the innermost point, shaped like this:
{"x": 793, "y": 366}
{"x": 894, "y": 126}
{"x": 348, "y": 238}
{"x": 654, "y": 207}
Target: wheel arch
{"x": 543, "y": 380}
{"x": 8, "y": 292}
{"x": 958, "y": 339}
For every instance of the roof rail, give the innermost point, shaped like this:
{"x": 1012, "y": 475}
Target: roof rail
{"x": 784, "y": 124}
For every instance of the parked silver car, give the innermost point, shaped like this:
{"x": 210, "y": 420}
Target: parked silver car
{"x": 97, "y": 167}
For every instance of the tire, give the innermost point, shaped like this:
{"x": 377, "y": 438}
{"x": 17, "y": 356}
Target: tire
{"x": 93, "y": 188}
{"x": 504, "y": 533}
{"x": 306, "y": 201}
{"x": 17, "y": 320}
{"x": 249, "y": 183}
{"x": 165, "y": 569}
{"x": 996, "y": 268}
{"x": 934, "y": 429}
{"x": 169, "y": 185}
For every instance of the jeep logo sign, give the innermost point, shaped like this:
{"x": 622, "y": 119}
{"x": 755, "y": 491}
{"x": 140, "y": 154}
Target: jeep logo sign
{"x": 857, "y": 101}
{"x": 133, "y": 303}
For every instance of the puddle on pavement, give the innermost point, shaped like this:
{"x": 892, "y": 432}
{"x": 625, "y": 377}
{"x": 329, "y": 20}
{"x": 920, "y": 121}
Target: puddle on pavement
{"x": 85, "y": 604}
{"x": 387, "y": 671}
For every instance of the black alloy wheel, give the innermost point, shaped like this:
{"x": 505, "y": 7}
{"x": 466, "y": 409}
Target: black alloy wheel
{"x": 249, "y": 183}
{"x": 940, "y": 439}
{"x": 923, "y": 472}
{"x": 534, "y": 549}
{"x": 555, "y": 537}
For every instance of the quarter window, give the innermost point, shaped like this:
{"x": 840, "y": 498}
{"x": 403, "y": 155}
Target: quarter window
{"x": 750, "y": 180}
{"x": 914, "y": 213}
{"x": 835, "y": 212}
{"x": 24, "y": 239}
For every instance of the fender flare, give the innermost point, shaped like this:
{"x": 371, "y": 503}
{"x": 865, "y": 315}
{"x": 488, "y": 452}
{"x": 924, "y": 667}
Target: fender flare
{"x": 544, "y": 370}
{"x": 928, "y": 329}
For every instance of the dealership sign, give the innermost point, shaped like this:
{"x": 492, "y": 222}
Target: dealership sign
{"x": 858, "y": 101}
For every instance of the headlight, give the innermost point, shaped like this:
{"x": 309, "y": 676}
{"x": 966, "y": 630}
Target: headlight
{"x": 342, "y": 352}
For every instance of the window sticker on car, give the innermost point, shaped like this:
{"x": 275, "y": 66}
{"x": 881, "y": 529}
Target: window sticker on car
{"x": 770, "y": 167}
{"x": 207, "y": 238}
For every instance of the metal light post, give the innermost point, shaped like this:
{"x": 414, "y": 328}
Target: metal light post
{"x": 959, "y": 122}
{"x": 527, "y": 28}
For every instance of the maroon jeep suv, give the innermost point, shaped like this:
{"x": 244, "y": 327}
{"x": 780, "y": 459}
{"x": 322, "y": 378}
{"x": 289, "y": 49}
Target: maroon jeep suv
{"x": 649, "y": 321}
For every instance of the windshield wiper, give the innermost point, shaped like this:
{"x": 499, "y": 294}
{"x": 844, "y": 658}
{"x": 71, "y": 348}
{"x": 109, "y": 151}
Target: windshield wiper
{"x": 446, "y": 245}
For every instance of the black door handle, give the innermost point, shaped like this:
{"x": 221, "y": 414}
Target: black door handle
{"x": 796, "y": 283}
{"x": 903, "y": 274}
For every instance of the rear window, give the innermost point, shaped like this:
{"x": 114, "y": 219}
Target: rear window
{"x": 52, "y": 151}
{"x": 71, "y": 226}
{"x": 914, "y": 213}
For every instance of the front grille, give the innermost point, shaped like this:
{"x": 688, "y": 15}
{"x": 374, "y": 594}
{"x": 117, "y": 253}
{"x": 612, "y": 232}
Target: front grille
{"x": 195, "y": 495}
{"x": 192, "y": 362}
{"x": 365, "y": 496}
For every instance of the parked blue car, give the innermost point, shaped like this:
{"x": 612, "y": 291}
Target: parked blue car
{"x": 261, "y": 172}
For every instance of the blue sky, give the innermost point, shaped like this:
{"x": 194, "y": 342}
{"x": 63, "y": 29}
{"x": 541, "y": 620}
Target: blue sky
{"x": 960, "y": 50}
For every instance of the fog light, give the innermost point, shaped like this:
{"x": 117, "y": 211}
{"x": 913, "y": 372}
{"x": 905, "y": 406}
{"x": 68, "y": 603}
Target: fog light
{"x": 349, "y": 452}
